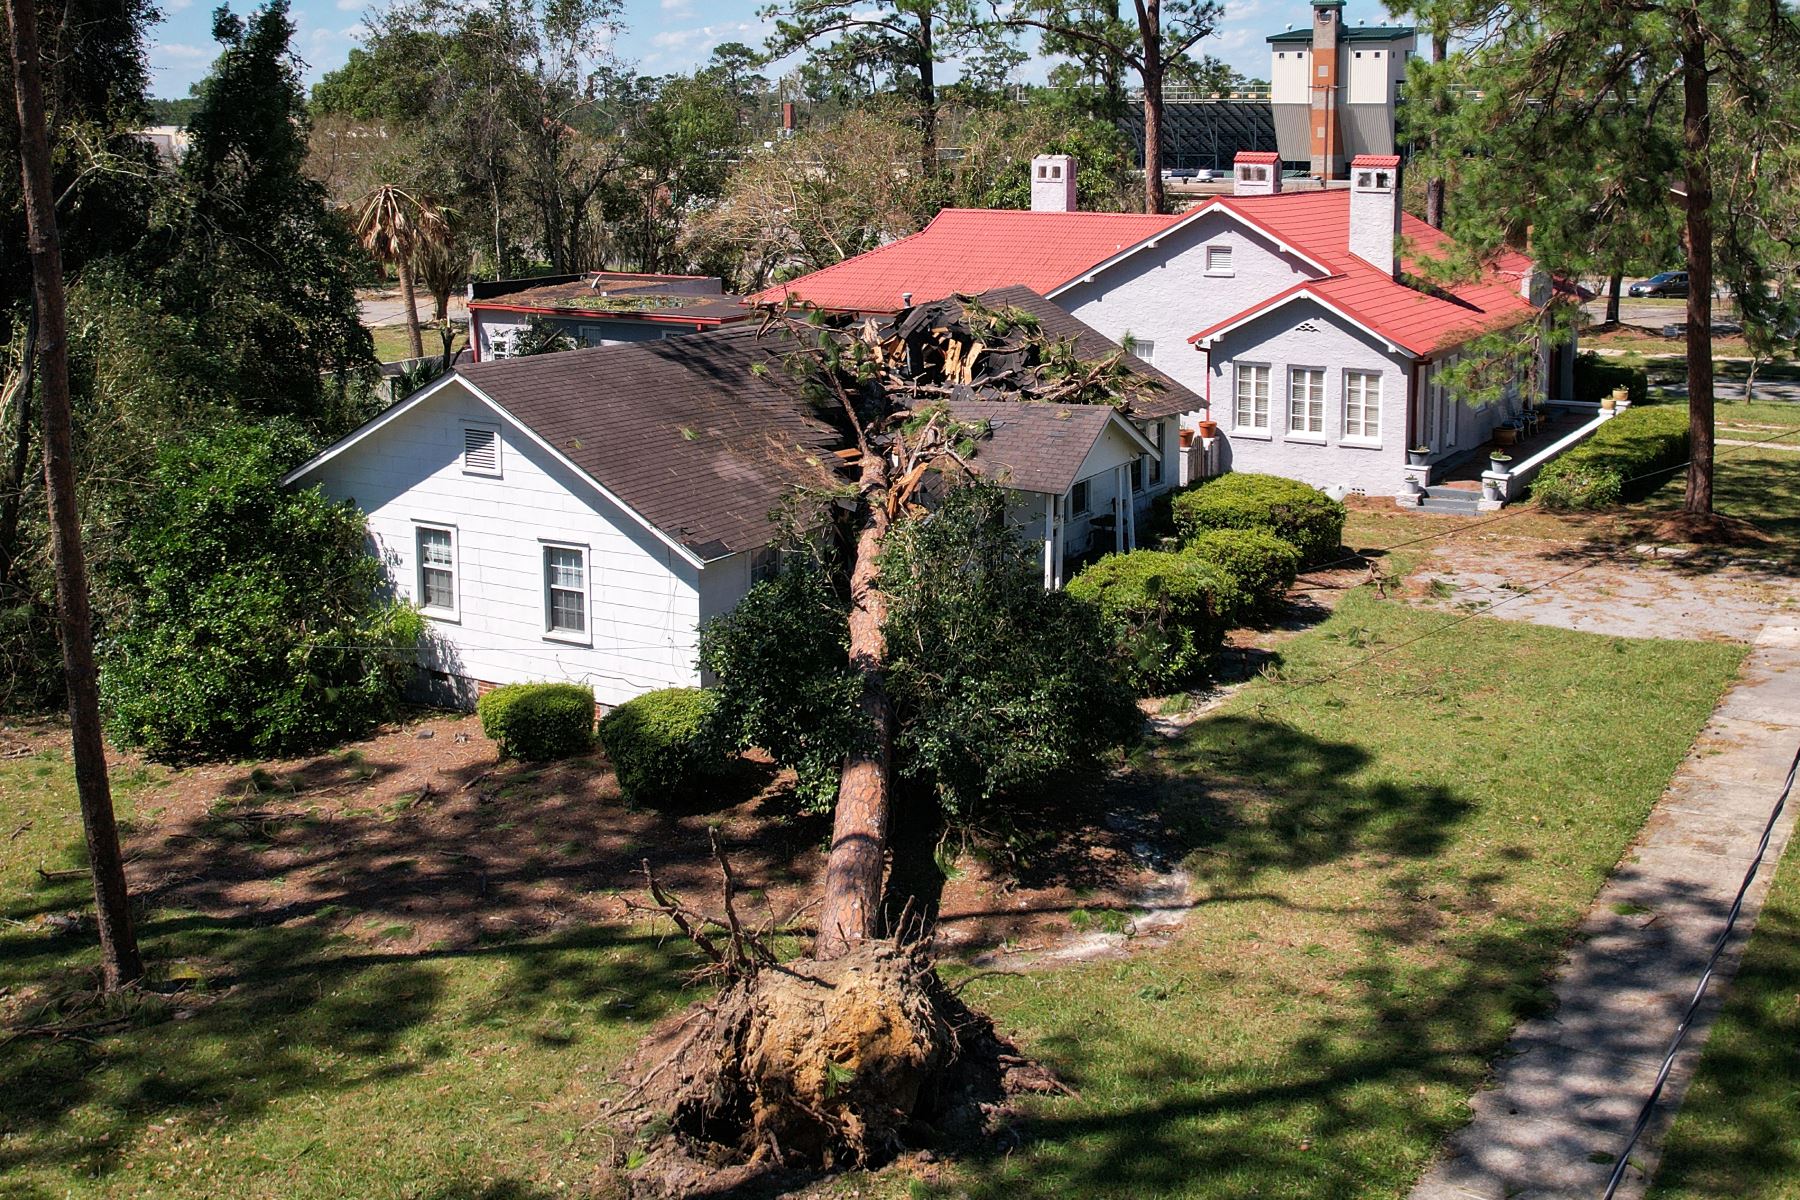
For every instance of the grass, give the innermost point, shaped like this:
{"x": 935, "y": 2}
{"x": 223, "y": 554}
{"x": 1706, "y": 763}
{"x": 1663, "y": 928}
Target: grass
{"x": 1736, "y": 1134}
{"x": 391, "y": 344}
{"x": 1387, "y": 862}
{"x": 297, "y": 1060}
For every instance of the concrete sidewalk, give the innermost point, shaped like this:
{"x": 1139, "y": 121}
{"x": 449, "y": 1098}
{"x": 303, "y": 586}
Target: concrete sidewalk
{"x": 1567, "y": 1089}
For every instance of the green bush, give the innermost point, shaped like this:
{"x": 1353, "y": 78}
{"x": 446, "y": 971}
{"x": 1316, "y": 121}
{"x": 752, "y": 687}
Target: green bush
{"x": 1167, "y": 612}
{"x": 1595, "y": 379}
{"x": 781, "y": 661}
{"x": 1263, "y": 565}
{"x": 538, "y": 721}
{"x": 1628, "y": 456}
{"x": 255, "y": 623}
{"x": 1296, "y": 512}
{"x": 662, "y": 744}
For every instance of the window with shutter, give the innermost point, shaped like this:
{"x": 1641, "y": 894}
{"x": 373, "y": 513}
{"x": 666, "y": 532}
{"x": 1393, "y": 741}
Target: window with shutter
{"x": 481, "y": 450}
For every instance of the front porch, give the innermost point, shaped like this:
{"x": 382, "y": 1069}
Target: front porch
{"x": 1474, "y": 481}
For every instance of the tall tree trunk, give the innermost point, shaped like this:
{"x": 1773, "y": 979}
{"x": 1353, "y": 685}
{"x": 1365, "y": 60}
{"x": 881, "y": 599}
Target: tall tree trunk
{"x": 119, "y": 958}
{"x": 1434, "y": 187}
{"x": 928, "y": 107}
{"x": 1697, "y": 233}
{"x": 409, "y": 297}
{"x": 851, "y": 911}
{"x": 12, "y": 483}
{"x": 1615, "y": 284}
{"x": 1150, "y": 30}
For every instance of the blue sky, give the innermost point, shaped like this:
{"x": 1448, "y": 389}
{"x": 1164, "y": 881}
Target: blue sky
{"x": 661, "y": 36}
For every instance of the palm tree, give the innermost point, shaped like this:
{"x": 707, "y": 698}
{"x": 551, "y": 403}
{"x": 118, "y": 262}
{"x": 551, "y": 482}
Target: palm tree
{"x": 393, "y": 224}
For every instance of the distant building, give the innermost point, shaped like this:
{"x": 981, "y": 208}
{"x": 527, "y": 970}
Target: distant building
{"x": 169, "y": 141}
{"x": 1334, "y": 88}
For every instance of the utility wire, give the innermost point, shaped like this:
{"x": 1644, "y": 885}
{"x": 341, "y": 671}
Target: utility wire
{"x": 1687, "y": 1018}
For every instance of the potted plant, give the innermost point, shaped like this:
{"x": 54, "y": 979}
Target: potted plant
{"x": 1498, "y": 462}
{"x": 1506, "y": 435}
{"x": 1207, "y": 429}
{"x": 1416, "y": 455}
{"x": 1187, "y": 438}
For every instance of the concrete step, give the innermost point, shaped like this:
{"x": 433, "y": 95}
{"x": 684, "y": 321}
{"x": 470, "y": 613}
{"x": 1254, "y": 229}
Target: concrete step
{"x": 1441, "y": 492}
{"x": 1447, "y": 504}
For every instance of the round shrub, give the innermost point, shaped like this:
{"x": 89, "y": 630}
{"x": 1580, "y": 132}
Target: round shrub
{"x": 1263, "y": 565}
{"x": 537, "y": 721}
{"x": 1297, "y": 512}
{"x": 662, "y": 744}
{"x": 1167, "y": 612}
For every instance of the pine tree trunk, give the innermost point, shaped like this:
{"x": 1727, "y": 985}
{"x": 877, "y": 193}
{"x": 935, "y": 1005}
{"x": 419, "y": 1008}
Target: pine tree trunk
{"x": 852, "y": 905}
{"x": 409, "y": 296}
{"x": 1434, "y": 187}
{"x": 1150, "y": 27}
{"x": 928, "y": 114}
{"x": 1697, "y": 233}
{"x": 1614, "y": 286}
{"x": 119, "y": 958}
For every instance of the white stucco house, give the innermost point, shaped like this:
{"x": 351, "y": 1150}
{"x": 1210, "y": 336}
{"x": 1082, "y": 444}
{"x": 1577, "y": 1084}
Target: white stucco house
{"x": 579, "y": 516}
{"x": 1296, "y": 317}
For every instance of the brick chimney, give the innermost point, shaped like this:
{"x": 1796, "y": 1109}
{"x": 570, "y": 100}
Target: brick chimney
{"x": 1322, "y": 89}
{"x": 1375, "y": 210}
{"x": 1256, "y": 173}
{"x": 1053, "y": 183}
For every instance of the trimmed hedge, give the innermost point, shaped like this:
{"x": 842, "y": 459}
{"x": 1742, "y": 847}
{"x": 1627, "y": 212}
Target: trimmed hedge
{"x": 1168, "y": 612}
{"x": 1596, "y": 378}
{"x": 1296, "y": 512}
{"x": 537, "y": 721}
{"x": 1263, "y": 565}
{"x": 1628, "y": 456}
{"x": 662, "y": 744}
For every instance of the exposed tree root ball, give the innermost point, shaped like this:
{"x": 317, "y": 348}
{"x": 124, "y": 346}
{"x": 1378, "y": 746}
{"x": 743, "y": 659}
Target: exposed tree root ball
{"x": 813, "y": 1066}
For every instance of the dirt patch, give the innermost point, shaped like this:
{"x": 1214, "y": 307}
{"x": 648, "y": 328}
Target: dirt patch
{"x": 418, "y": 839}
{"x": 1629, "y": 589}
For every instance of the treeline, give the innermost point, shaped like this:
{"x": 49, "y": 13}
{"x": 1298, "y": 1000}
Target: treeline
{"x": 546, "y": 154}
{"x": 212, "y": 318}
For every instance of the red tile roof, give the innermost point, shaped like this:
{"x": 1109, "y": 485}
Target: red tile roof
{"x": 971, "y": 250}
{"x": 1375, "y": 160}
{"x": 974, "y": 250}
{"x": 1256, "y": 156}
{"x": 1416, "y": 317}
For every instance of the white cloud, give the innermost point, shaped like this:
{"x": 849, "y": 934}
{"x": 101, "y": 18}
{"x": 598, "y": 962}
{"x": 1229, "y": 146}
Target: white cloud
{"x": 676, "y": 8}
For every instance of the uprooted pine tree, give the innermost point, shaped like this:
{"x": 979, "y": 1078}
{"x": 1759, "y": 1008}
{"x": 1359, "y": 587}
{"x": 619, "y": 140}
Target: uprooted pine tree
{"x": 853, "y": 1052}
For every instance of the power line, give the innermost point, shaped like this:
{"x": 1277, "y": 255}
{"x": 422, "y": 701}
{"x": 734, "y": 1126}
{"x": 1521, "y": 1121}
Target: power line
{"x": 1687, "y": 1018}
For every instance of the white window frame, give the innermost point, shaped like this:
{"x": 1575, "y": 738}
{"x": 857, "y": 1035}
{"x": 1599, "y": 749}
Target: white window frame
{"x": 1297, "y": 430}
{"x": 1356, "y": 393}
{"x": 1160, "y": 441}
{"x": 435, "y": 612}
{"x": 499, "y": 449}
{"x": 585, "y": 635}
{"x": 1144, "y": 348}
{"x": 1238, "y": 423}
{"x": 1220, "y": 267}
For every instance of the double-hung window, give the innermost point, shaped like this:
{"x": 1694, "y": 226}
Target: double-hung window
{"x": 1306, "y": 401}
{"x": 1252, "y": 409}
{"x": 436, "y": 546}
{"x": 1362, "y": 406}
{"x": 1158, "y": 435}
{"x": 566, "y": 592}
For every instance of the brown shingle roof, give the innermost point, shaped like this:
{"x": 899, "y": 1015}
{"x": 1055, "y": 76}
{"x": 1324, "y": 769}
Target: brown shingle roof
{"x": 633, "y": 300}
{"x": 681, "y": 430}
{"x": 1033, "y": 447}
{"x": 1174, "y": 398}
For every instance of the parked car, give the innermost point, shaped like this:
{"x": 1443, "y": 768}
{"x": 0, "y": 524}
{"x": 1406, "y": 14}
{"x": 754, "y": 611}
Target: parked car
{"x": 1669, "y": 283}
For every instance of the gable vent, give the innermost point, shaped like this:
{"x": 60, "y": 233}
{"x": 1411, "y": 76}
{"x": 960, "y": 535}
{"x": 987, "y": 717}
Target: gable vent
{"x": 1306, "y": 327}
{"x": 481, "y": 450}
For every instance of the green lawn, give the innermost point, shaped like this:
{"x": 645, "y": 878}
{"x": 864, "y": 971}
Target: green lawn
{"x": 1736, "y": 1134}
{"x": 297, "y": 1060}
{"x": 1386, "y": 865}
{"x": 391, "y": 344}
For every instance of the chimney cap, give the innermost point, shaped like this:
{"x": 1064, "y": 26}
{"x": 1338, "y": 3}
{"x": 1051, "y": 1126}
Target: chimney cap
{"x": 1379, "y": 162}
{"x": 1256, "y": 156}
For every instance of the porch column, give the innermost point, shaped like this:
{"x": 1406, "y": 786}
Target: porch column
{"x": 1049, "y": 542}
{"x": 1118, "y": 510}
{"x": 1062, "y": 523}
{"x": 1128, "y": 509}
